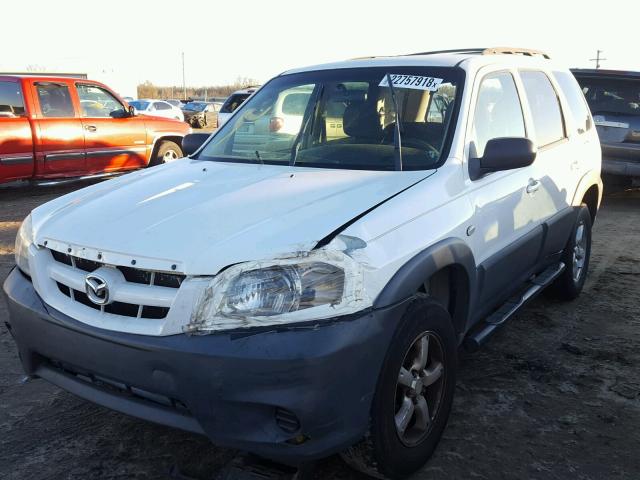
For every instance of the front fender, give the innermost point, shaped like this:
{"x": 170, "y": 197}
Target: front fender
{"x": 412, "y": 275}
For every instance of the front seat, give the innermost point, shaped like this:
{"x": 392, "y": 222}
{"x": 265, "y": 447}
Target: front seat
{"x": 361, "y": 122}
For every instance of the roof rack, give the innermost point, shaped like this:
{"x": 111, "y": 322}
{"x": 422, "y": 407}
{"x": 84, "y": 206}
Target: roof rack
{"x": 515, "y": 51}
{"x": 455, "y": 50}
{"x": 490, "y": 51}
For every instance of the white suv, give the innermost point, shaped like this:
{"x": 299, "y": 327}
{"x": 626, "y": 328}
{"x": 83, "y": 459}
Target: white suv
{"x": 308, "y": 295}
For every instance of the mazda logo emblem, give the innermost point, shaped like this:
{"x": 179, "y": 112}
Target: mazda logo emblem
{"x": 96, "y": 289}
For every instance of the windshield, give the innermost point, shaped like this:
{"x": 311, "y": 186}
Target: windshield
{"x": 612, "y": 95}
{"x": 233, "y": 102}
{"x": 138, "y": 105}
{"x": 344, "y": 119}
{"x": 195, "y": 107}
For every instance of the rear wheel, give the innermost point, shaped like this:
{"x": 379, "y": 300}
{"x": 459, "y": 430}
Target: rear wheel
{"x": 576, "y": 259}
{"x": 166, "y": 152}
{"x": 413, "y": 397}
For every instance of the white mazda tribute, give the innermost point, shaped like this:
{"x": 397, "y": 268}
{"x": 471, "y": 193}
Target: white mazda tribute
{"x": 300, "y": 284}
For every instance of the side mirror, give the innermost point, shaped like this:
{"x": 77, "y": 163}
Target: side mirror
{"x": 505, "y": 153}
{"x": 192, "y": 142}
{"x": 132, "y": 111}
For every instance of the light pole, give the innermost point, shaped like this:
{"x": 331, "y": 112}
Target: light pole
{"x": 184, "y": 85}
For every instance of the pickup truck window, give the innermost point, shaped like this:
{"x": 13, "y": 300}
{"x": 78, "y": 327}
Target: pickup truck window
{"x": 97, "y": 102}
{"x": 55, "y": 100}
{"x": 11, "y": 102}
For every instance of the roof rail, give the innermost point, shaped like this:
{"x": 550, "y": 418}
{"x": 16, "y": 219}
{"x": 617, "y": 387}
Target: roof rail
{"x": 490, "y": 51}
{"x": 455, "y": 50}
{"x": 515, "y": 51}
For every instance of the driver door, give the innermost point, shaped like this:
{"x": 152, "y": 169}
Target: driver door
{"x": 113, "y": 139}
{"x": 508, "y": 234}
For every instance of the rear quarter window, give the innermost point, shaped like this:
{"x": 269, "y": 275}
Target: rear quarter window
{"x": 575, "y": 99}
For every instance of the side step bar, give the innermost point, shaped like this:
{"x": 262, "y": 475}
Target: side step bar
{"x": 480, "y": 334}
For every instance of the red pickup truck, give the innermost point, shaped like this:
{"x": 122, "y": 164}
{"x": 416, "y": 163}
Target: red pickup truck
{"x": 52, "y": 127}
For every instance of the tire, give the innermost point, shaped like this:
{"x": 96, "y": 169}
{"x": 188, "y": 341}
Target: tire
{"x": 166, "y": 152}
{"x": 576, "y": 257}
{"x": 387, "y": 451}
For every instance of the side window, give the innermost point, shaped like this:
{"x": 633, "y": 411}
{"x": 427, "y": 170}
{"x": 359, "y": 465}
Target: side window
{"x": 97, "y": 102}
{"x": 55, "y": 100}
{"x": 11, "y": 102}
{"x": 162, "y": 106}
{"x": 577, "y": 102}
{"x": 295, "y": 103}
{"x": 545, "y": 108}
{"x": 498, "y": 111}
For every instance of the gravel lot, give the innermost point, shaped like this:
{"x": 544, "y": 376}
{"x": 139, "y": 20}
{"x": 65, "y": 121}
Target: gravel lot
{"x": 554, "y": 395}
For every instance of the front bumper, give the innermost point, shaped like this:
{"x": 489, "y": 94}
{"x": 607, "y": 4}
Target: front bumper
{"x": 244, "y": 390}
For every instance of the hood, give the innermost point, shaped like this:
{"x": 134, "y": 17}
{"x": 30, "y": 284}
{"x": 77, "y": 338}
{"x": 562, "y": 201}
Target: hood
{"x": 203, "y": 216}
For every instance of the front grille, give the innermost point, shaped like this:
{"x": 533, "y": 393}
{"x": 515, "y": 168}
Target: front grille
{"x": 107, "y": 384}
{"x": 131, "y": 275}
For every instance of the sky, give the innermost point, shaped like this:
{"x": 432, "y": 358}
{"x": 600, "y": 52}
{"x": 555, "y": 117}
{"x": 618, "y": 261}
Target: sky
{"x": 128, "y": 42}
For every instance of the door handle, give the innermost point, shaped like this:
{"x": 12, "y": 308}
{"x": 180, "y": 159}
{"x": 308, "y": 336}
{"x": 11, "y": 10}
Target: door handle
{"x": 533, "y": 186}
{"x": 90, "y": 128}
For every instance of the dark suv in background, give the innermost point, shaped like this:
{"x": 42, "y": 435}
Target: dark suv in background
{"x": 614, "y": 99}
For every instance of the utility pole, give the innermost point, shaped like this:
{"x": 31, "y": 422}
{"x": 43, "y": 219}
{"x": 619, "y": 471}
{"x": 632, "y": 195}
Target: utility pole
{"x": 184, "y": 85}
{"x": 597, "y": 59}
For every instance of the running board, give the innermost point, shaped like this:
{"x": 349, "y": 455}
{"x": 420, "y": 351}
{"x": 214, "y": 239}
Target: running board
{"x": 54, "y": 182}
{"x": 480, "y": 334}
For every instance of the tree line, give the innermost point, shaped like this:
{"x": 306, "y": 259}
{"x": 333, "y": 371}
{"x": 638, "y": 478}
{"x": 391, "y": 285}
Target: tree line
{"x": 149, "y": 90}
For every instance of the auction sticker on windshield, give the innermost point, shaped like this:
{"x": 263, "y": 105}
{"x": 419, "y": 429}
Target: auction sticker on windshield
{"x": 416, "y": 82}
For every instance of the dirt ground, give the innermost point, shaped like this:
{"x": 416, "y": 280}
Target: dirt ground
{"x": 554, "y": 395}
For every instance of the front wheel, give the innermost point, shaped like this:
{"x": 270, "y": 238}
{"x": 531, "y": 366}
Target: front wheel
{"x": 576, "y": 257}
{"x": 166, "y": 152}
{"x": 413, "y": 397}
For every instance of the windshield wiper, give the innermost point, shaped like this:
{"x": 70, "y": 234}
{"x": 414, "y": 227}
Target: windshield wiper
{"x": 397, "y": 139}
{"x": 303, "y": 131}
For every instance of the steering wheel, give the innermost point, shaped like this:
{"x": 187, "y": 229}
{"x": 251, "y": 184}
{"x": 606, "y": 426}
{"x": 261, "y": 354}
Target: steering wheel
{"x": 412, "y": 142}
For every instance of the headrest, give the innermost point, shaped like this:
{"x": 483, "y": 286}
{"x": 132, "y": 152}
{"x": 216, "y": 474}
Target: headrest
{"x": 361, "y": 119}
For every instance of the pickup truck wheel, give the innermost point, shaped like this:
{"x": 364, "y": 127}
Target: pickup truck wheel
{"x": 576, "y": 259}
{"x": 413, "y": 397}
{"x": 166, "y": 152}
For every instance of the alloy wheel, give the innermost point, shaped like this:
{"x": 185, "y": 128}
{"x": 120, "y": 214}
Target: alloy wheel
{"x": 419, "y": 389}
{"x": 579, "y": 251}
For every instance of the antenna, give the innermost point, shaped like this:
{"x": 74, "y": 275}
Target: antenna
{"x": 597, "y": 59}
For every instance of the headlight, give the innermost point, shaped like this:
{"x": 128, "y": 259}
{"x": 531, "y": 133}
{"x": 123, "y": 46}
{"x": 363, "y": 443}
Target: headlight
{"x": 315, "y": 286}
{"x": 23, "y": 240}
